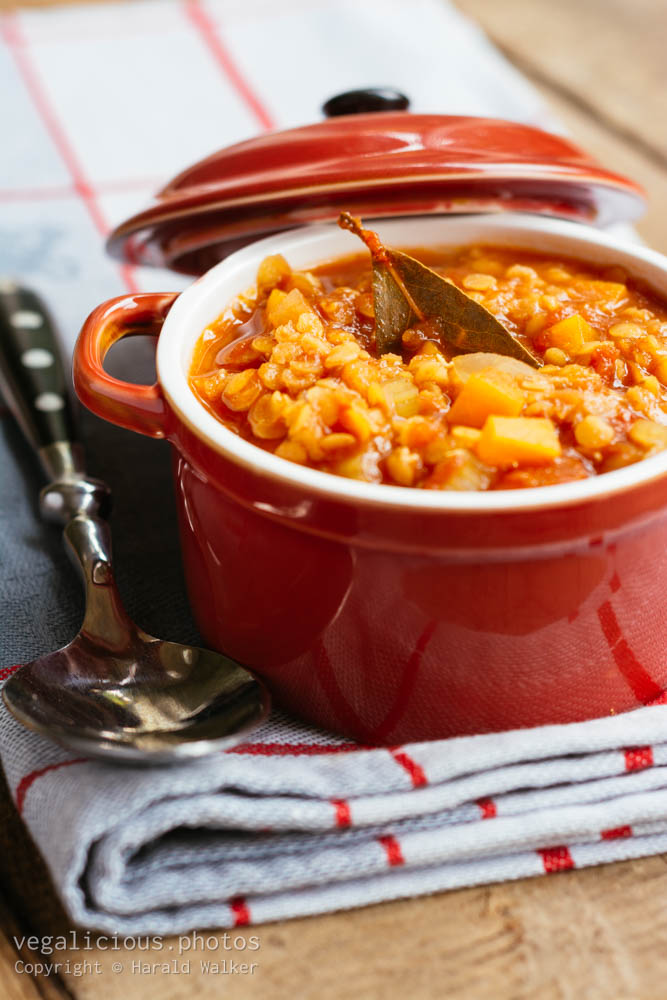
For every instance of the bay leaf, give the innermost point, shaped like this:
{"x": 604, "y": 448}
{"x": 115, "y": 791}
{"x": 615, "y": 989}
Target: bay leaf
{"x": 406, "y": 291}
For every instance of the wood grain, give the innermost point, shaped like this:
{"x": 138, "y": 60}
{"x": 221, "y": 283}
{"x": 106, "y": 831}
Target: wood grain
{"x": 13, "y": 985}
{"x": 601, "y": 66}
{"x": 15, "y": 982}
{"x": 607, "y": 56}
{"x": 590, "y": 935}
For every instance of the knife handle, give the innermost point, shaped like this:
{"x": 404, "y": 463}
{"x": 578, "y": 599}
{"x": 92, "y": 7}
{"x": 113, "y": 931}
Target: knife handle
{"x": 33, "y": 383}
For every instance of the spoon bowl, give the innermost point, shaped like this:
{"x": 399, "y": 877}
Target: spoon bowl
{"x": 114, "y": 691}
{"x": 151, "y": 702}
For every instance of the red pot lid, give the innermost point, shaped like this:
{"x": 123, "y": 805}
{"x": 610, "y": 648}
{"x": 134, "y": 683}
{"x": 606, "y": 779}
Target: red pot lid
{"x": 375, "y": 165}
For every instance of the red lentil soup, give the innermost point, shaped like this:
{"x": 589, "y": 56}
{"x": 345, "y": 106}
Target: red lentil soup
{"x": 291, "y": 366}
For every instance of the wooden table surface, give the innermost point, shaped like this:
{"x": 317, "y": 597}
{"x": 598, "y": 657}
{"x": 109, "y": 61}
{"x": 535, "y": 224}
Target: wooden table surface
{"x": 598, "y": 933}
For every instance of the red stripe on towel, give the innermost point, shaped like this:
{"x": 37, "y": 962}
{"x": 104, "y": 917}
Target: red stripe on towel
{"x": 25, "y": 782}
{"x": 342, "y": 810}
{"x": 637, "y": 758}
{"x": 417, "y": 775}
{"x": 393, "y": 849}
{"x": 210, "y": 36}
{"x": 487, "y": 808}
{"x": 6, "y": 672}
{"x": 616, "y": 833}
{"x": 556, "y": 859}
{"x": 10, "y": 31}
{"x": 240, "y": 911}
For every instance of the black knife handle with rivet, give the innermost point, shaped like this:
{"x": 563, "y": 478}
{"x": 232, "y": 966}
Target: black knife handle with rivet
{"x": 32, "y": 378}
{"x": 34, "y": 387}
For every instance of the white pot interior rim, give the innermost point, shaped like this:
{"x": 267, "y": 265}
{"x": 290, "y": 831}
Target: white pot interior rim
{"x": 208, "y": 296}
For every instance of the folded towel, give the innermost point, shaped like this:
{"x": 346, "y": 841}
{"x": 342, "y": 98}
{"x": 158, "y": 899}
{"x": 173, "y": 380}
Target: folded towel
{"x": 294, "y": 821}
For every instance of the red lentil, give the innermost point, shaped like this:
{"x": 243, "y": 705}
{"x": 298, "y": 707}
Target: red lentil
{"x": 291, "y": 366}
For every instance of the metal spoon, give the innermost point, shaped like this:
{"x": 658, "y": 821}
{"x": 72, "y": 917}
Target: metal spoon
{"x": 114, "y": 691}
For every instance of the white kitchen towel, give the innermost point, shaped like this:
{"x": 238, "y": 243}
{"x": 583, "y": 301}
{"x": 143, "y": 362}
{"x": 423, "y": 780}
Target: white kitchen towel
{"x": 295, "y": 821}
{"x": 98, "y": 106}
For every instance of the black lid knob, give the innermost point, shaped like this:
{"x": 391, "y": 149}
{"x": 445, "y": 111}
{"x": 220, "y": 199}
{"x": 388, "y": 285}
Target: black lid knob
{"x": 357, "y": 102}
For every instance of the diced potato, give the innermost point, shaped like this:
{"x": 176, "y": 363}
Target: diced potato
{"x": 465, "y": 365}
{"x": 284, "y": 307}
{"x": 507, "y": 441}
{"x": 271, "y": 271}
{"x": 403, "y": 395}
{"x": 570, "y": 334}
{"x": 491, "y": 391}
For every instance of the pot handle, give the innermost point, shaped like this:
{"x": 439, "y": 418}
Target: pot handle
{"x": 139, "y": 408}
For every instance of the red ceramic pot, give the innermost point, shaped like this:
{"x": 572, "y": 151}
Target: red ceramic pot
{"x": 392, "y": 614}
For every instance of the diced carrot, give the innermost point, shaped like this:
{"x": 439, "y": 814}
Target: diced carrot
{"x": 570, "y": 334}
{"x": 507, "y": 441}
{"x": 488, "y": 392}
